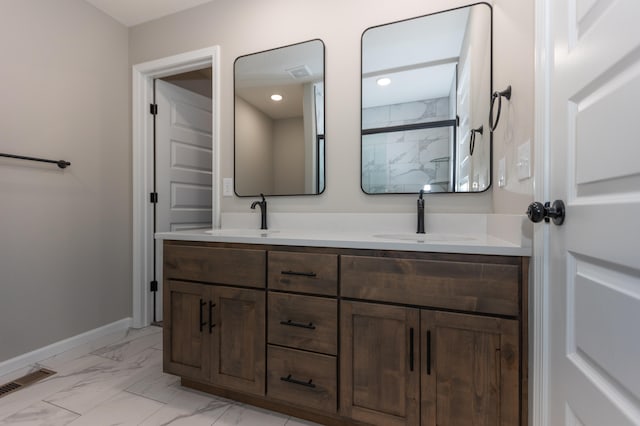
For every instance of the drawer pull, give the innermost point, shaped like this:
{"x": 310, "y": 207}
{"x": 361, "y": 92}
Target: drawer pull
{"x": 202, "y": 323}
{"x": 290, "y": 323}
{"x": 300, "y": 274}
{"x": 298, "y": 382}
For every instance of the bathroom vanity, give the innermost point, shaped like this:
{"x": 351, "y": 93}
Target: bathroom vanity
{"x": 348, "y": 329}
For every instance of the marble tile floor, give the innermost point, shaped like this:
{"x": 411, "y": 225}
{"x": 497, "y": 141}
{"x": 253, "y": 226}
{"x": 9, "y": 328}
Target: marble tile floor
{"x": 118, "y": 380}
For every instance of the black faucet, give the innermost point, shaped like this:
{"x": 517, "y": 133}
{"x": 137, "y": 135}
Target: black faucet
{"x": 421, "y": 213}
{"x": 263, "y": 211}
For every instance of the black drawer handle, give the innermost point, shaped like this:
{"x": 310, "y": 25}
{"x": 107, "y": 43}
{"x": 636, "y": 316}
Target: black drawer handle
{"x": 290, "y": 323}
{"x": 429, "y": 352}
{"x": 300, "y": 274}
{"x": 298, "y": 382}
{"x": 211, "y": 324}
{"x": 202, "y": 322}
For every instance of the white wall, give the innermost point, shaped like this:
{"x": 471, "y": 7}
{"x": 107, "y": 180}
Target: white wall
{"x": 288, "y": 156}
{"x": 513, "y": 64}
{"x": 255, "y": 149}
{"x": 65, "y": 246}
{"x": 241, "y": 27}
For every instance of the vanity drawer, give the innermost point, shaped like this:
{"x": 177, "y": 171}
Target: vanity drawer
{"x": 314, "y": 273}
{"x": 302, "y": 378}
{"x": 303, "y": 322}
{"x": 243, "y": 267}
{"x": 465, "y": 286}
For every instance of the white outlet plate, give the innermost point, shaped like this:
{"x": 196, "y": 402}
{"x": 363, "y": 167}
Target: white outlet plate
{"x": 227, "y": 187}
{"x": 524, "y": 161}
{"x": 502, "y": 173}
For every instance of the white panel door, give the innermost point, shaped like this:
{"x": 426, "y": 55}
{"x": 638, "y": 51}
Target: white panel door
{"x": 183, "y": 165}
{"x": 183, "y": 159}
{"x": 594, "y": 259}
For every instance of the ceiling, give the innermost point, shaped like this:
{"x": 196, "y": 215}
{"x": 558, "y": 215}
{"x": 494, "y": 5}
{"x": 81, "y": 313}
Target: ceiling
{"x": 134, "y": 12}
{"x": 419, "y": 56}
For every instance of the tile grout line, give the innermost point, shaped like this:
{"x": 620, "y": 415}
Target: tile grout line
{"x": 60, "y": 407}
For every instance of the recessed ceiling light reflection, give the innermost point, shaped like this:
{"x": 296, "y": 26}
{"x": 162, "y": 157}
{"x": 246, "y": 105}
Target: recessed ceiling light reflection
{"x": 275, "y": 97}
{"x": 384, "y": 81}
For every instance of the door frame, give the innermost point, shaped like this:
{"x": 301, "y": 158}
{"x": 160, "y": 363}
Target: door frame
{"x": 539, "y": 320}
{"x": 142, "y": 138}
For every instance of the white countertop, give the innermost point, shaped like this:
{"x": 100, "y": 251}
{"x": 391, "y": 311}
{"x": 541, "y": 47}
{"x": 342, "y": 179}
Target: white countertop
{"x": 468, "y": 243}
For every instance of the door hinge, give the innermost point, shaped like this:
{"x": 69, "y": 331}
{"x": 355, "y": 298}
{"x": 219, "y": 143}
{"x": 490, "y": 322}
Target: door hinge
{"x": 153, "y": 197}
{"x": 154, "y": 285}
{"x": 153, "y": 109}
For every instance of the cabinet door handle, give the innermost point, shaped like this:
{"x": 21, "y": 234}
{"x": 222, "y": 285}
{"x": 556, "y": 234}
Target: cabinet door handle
{"x": 290, "y": 323}
{"x": 211, "y": 324}
{"x": 428, "y": 352}
{"x": 298, "y": 382}
{"x": 202, "y": 323}
{"x": 300, "y": 274}
{"x": 411, "y": 348}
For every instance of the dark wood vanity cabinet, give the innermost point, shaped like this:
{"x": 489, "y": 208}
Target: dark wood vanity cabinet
{"x": 344, "y": 336}
{"x": 404, "y": 364}
{"x": 379, "y": 364}
{"x": 303, "y": 329}
{"x": 215, "y": 333}
{"x": 469, "y": 370}
{"x": 412, "y": 360}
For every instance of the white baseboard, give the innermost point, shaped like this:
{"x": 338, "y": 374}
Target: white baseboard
{"x": 41, "y": 354}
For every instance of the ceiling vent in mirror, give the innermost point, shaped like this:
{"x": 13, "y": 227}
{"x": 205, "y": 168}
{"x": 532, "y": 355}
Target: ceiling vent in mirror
{"x": 301, "y": 71}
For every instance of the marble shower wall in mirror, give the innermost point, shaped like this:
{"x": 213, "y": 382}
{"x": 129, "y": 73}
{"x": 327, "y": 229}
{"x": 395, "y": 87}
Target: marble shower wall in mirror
{"x": 279, "y": 121}
{"x": 426, "y": 91}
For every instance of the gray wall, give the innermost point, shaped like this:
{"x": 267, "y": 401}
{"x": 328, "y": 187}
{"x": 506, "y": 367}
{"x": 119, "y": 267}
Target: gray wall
{"x": 65, "y": 246}
{"x": 241, "y": 27}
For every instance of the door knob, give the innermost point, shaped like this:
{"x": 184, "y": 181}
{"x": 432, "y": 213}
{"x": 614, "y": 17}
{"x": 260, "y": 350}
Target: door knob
{"x": 538, "y": 211}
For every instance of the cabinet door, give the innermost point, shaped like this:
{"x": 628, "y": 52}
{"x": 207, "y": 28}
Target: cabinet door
{"x": 379, "y": 364}
{"x": 238, "y": 345}
{"x": 185, "y": 329}
{"x": 469, "y": 370}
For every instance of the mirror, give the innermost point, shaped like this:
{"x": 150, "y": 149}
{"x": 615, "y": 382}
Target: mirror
{"x": 279, "y": 121}
{"x": 426, "y": 92}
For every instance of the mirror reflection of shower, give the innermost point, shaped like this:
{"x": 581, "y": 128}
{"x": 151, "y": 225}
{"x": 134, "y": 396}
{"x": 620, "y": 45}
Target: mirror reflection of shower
{"x": 426, "y": 84}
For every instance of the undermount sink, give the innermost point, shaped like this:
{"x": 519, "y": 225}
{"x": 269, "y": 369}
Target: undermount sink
{"x": 422, "y": 238}
{"x": 242, "y": 232}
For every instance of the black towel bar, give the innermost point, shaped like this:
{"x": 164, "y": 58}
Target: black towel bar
{"x": 61, "y": 163}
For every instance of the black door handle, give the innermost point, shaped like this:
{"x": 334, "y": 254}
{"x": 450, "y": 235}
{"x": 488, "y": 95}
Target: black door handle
{"x": 538, "y": 211}
{"x": 202, "y": 323}
{"x": 211, "y": 324}
{"x": 411, "y": 349}
{"x": 428, "y": 352}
